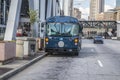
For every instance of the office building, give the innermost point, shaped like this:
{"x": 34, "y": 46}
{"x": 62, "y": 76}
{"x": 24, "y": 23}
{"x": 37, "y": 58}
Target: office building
{"x": 77, "y": 13}
{"x": 117, "y": 3}
{"x": 96, "y": 6}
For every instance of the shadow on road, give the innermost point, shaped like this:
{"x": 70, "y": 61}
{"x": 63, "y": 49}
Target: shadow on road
{"x": 62, "y": 55}
{"x": 84, "y": 52}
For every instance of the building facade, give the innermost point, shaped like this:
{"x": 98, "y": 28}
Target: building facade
{"x": 77, "y": 13}
{"x": 111, "y": 15}
{"x": 118, "y": 15}
{"x": 117, "y": 3}
{"x": 96, "y": 6}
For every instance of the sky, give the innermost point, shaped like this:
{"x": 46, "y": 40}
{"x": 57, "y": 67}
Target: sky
{"x": 84, "y": 5}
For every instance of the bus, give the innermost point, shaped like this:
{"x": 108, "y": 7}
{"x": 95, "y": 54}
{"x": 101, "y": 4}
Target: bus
{"x": 63, "y": 35}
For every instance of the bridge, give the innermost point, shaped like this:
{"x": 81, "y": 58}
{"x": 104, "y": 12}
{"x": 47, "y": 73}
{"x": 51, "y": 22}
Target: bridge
{"x": 99, "y": 23}
{"x": 18, "y": 20}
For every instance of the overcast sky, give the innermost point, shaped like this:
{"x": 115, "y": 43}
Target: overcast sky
{"x": 83, "y": 5}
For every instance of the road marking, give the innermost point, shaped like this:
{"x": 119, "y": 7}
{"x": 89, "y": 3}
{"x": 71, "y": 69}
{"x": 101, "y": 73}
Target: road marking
{"x": 100, "y": 63}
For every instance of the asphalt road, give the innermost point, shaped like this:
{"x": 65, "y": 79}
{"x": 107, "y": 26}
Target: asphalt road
{"x": 95, "y": 62}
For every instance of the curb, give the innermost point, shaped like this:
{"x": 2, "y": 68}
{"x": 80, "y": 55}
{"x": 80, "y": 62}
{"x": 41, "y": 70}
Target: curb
{"x": 19, "y": 69}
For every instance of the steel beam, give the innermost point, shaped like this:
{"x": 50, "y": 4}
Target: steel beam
{"x": 54, "y": 8}
{"x": 13, "y": 20}
{"x": 42, "y": 16}
{"x": 49, "y": 8}
{"x": 95, "y": 24}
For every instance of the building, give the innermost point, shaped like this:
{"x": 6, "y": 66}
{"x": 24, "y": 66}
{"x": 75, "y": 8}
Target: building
{"x": 118, "y": 15}
{"x": 4, "y": 9}
{"x": 77, "y": 13}
{"x": 118, "y": 9}
{"x": 99, "y": 16}
{"x": 117, "y": 3}
{"x": 110, "y": 15}
{"x": 96, "y": 6}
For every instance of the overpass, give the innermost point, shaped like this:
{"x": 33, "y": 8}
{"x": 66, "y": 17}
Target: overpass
{"x": 18, "y": 17}
{"x": 100, "y": 24}
{"x": 100, "y": 27}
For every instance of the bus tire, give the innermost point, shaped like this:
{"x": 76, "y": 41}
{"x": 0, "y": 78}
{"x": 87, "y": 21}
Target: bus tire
{"x": 50, "y": 53}
{"x": 76, "y": 53}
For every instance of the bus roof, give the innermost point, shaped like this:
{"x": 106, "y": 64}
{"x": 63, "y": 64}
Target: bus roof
{"x": 62, "y": 19}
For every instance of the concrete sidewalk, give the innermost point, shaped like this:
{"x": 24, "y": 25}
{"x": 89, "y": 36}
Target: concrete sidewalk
{"x": 16, "y": 66}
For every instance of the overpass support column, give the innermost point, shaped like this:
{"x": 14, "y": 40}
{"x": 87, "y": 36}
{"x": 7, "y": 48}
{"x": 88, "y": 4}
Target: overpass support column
{"x": 13, "y": 20}
{"x": 54, "y": 8}
{"x": 42, "y": 16}
{"x": 49, "y": 8}
{"x": 118, "y": 29}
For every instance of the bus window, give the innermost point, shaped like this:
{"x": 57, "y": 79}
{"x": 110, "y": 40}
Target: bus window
{"x": 71, "y": 29}
{"x": 53, "y": 29}
{"x": 62, "y": 29}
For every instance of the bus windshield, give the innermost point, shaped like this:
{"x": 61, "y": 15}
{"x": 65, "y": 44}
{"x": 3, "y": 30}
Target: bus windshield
{"x": 62, "y": 29}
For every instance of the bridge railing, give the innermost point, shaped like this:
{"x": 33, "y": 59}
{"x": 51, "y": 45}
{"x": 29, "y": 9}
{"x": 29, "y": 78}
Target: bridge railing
{"x": 100, "y": 24}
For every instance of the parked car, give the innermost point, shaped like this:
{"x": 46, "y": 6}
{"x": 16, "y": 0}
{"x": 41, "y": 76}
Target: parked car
{"x": 98, "y": 39}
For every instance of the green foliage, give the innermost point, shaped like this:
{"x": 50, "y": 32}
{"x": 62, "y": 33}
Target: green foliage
{"x": 33, "y": 16}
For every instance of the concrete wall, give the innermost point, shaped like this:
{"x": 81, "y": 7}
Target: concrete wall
{"x": 118, "y": 29}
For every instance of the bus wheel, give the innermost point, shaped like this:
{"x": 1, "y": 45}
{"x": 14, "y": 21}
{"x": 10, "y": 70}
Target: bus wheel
{"x": 76, "y": 53}
{"x": 50, "y": 53}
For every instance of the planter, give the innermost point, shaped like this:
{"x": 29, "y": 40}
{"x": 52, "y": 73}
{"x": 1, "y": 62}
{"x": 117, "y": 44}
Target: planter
{"x": 19, "y": 49}
{"x": 7, "y": 50}
{"x": 26, "y": 46}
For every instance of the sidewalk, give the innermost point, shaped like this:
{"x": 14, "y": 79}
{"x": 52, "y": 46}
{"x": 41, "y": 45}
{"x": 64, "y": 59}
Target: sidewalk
{"x": 16, "y": 66}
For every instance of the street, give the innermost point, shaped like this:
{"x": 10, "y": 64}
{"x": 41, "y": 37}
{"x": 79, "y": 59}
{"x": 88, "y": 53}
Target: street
{"x": 95, "y": 62}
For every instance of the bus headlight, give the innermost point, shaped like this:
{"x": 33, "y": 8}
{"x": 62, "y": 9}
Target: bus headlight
{"x": 46, "y": 39}
{"x": 76, "y": 40}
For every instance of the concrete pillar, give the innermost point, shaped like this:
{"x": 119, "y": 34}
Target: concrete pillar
{"x": 13, "y": 20}
{"x": 66, "y": 9}
{"x": 42, "y": 10}
{"x": 54, "y": 8}
{"x": 118, "y": 29}
{"x": 57, "y": 9}
{"x": 42, "y": 15}
{"x": 34, "y": 5}
{"x": 49, "y": 8}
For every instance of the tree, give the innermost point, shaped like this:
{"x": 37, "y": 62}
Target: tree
{"x": 33, "y": 18}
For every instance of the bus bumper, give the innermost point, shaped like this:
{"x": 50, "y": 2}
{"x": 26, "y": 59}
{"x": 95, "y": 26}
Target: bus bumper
{"x": 60, "y": 50}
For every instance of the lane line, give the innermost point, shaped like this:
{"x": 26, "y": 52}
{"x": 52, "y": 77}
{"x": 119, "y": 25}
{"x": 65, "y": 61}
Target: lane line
{"x": 100, "y": 63}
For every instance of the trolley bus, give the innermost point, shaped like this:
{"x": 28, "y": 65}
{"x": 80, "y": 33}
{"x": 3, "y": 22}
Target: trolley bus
{"x": 63, "y": 35}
